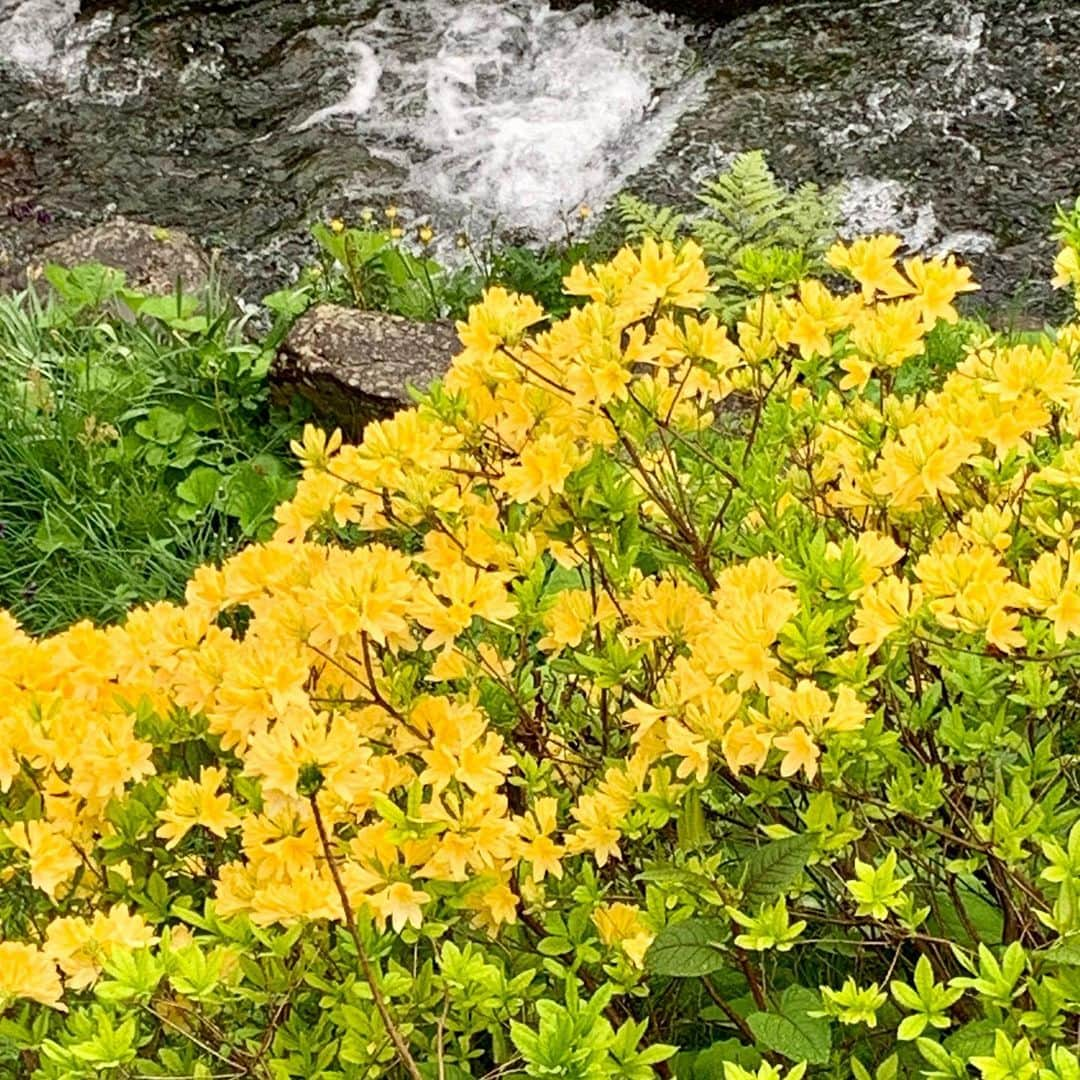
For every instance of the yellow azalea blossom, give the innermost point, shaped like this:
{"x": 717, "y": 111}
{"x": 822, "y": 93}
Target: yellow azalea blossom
{"x": 542, "y": 470}
{"x": 1066, "y": 268}
{"x": 872, "y": 262}
{"x": 315, "y": 449}
{"x": 192, "y": 803}
{"x": 400, "y": 904}
{"x": 937, "y": 284}
{"x": 26, "y": 972}
{"x": 539, "y": 848}
{"x": 493, "y": 906}
{"x": 80, "y": 946}
{"x": 883, "y": 609}
{"x": 53, "y": 858}
{"x": 621, "y": 925}
{"x": 800, "y": 752}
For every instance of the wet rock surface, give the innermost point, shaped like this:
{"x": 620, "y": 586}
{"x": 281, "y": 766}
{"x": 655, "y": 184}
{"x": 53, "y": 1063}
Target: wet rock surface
{"x": 153, "y": 259}
{"x": 356, "y": 366}
{"x": 957, "y": 120}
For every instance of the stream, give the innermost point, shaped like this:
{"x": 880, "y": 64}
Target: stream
{"x": 951, "y": 123}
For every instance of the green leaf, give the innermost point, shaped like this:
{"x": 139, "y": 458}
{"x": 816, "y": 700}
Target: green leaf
{"x": 1062, "y": 952}
{"x": 202, "y": 417}
{"x": 972, "y": 1039}
{"x": 200, "y": 487}
{"x": 689, "y": 949}
{"x": 791, "y": 1031}
{"x": 772, "y": 868}
{"x": 91, "y": 283}
{"x": 289, "y": 302}
{"x": 708, "y": 1064}
{"x": 52, "y": 535}
{"x": 162, "y": 425}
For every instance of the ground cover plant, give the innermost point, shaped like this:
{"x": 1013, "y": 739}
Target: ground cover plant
{"x": 652, "y": 698}
{"x": 755, "y": 234}
{"x": 379, "y": 264}
{"x": 136, "y": 442}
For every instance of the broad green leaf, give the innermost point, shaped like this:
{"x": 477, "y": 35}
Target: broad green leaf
{"x": 689, "y": 949}
{"x": 972, "y": 1039}
{"x": 289, "y": 302}
{"x": 200, "y": 487}
{"x": 772, "y": 868}
{"x": 162, "y": 425}
{"x": 791, "y": 1031}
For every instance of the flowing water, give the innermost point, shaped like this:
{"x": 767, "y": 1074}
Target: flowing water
{"x": 953, "y": 123}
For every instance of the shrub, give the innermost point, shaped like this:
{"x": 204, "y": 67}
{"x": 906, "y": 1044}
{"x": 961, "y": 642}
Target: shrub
{"x": 648, "y": 698}
{"x": 134, "y": 445}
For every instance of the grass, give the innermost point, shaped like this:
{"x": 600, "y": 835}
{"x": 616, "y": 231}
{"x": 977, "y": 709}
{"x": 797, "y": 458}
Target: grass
{"x": 135, "y": 443}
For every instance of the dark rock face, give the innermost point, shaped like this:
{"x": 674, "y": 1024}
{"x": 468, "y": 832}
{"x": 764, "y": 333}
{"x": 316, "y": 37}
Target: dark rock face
{"x": 152, "y": 259}
{"x": 953, "y": 122}
{"x": 701, "y": 10}
{"x": 356, "y": 366}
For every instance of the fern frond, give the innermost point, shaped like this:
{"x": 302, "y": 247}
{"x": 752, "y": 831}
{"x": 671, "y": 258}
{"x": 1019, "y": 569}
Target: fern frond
{"x": 643, "y": 219}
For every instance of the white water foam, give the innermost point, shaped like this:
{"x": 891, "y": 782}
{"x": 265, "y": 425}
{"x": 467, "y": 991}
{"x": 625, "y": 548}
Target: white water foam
{"x": 43, "y": 39}
{"x": 365, "y": 86}
{"x": 871, "y": 205}
{"x": 511, "y": 112}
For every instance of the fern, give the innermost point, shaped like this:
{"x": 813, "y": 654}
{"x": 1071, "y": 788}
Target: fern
{"x": 757, "y": 235}
{"x": 642, "y": 220}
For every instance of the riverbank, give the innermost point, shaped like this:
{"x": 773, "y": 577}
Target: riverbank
{"x": 948, "y": 123}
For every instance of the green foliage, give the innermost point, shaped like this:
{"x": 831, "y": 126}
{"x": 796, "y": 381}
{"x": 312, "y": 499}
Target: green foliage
{"x": 382, "y": 268}
{"x": 136, "y": 441}
{"x": 792, "y": 1029}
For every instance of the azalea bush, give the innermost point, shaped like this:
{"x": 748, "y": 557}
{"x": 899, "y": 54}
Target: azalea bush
{"x": 656, "y": 697}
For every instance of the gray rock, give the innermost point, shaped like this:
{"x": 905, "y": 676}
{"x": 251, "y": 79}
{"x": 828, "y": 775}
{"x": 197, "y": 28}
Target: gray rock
{"x": 153, "y": 259}
{"x": 356, "y": 366}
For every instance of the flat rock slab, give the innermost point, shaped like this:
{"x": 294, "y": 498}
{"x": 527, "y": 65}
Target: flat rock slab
{"x": 356, "y": 366}
{"x": 153, "y": 259}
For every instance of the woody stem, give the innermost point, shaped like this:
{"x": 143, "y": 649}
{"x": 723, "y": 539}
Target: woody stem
{"x": 400, "y": 1045}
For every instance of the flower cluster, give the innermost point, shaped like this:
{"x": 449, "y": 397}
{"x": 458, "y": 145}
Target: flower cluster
{"x": 624, "y": 591}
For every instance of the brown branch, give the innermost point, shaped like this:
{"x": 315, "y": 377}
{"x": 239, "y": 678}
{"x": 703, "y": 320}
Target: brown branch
{"x": 400, "y": 1045}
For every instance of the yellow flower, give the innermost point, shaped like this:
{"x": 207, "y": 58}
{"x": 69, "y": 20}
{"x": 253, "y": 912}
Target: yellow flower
{"x": 26, "y": 972}
{"x": 192, "y": 803}
{"x": 493, "y": 905}
{"x": 800, "y": 752}
{"x": 937, "y": 283}
{"x": 542, "y": 470}
{"x": 337, "y": 225}
{"x": 1066, "y": 268}
{"x": 315, "y": 450}
{"x": 80, "y": 946}
{"x": 400, "y": 904}
{"x": 53, "y": 858}
{"x": 621, "y": 925}
{"x": 872, "y": 262}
